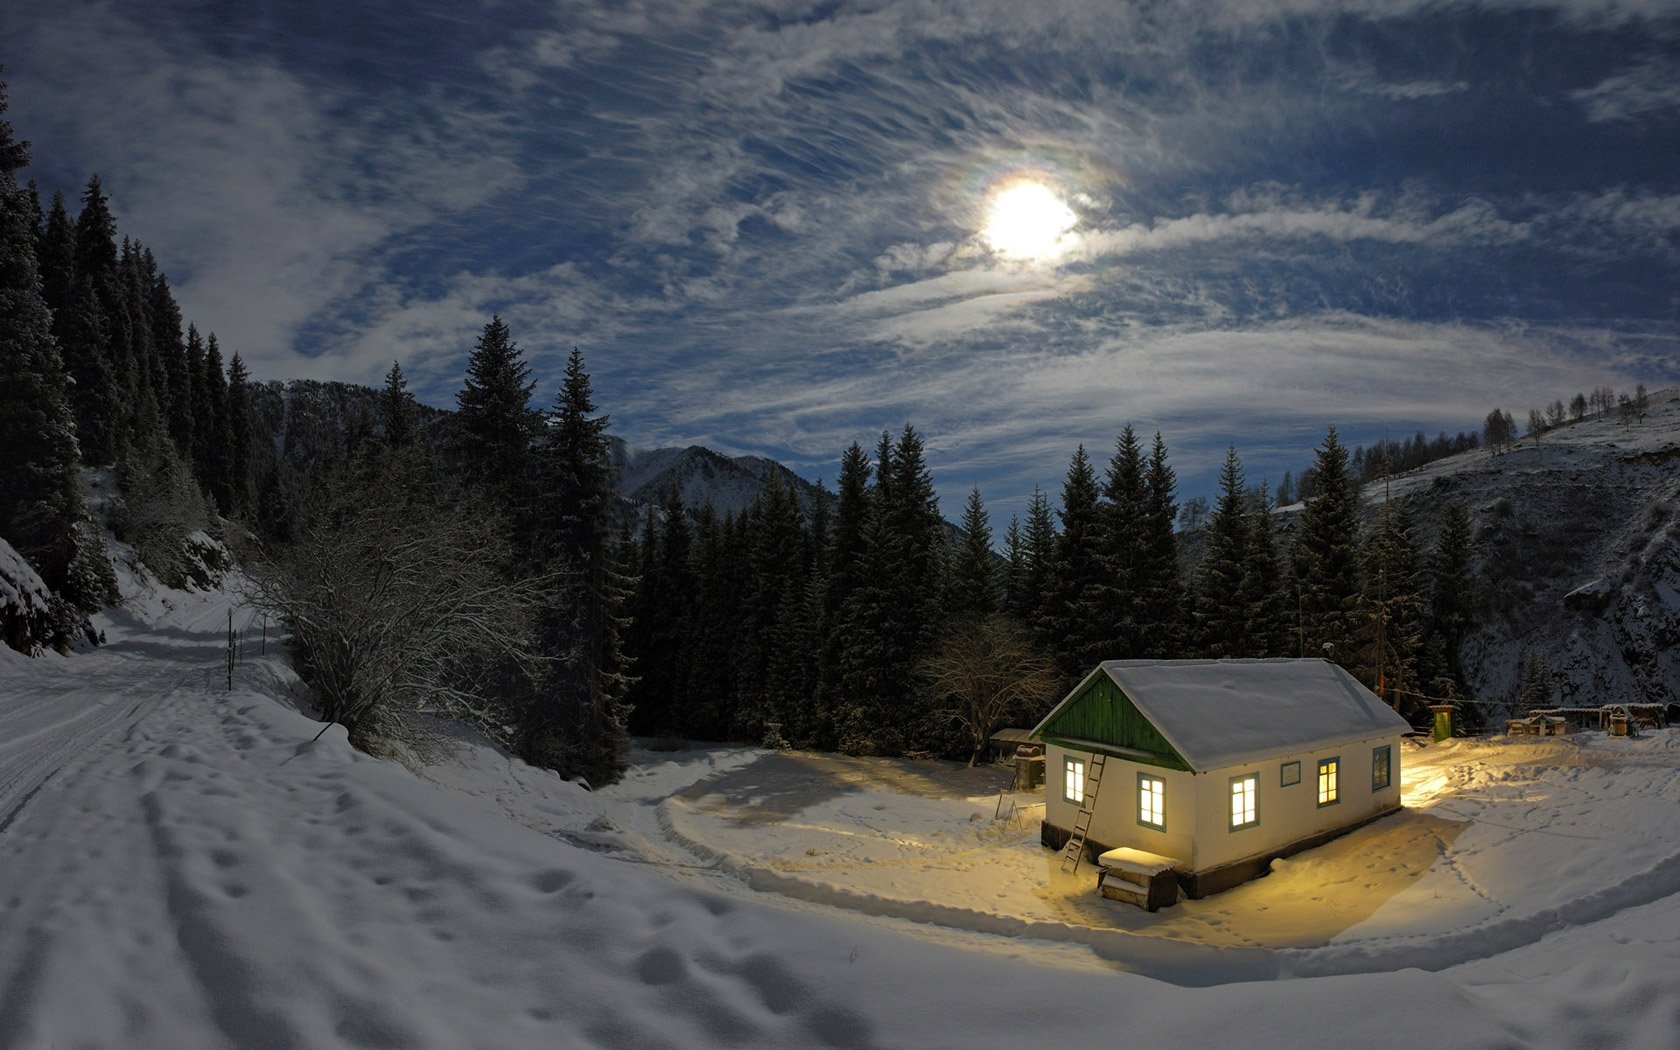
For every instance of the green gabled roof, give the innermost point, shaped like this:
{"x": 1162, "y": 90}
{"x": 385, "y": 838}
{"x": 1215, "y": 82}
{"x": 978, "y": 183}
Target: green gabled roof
{"x": 1204, "y": 715}
{"x": 1098, "y": 716}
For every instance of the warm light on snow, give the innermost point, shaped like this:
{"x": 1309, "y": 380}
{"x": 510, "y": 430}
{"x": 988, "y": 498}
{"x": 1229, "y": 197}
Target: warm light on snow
{"x": 1026, "y": 220}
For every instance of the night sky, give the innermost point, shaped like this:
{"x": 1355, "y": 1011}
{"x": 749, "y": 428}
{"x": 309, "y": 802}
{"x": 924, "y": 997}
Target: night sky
{"x": 770, "y": 225}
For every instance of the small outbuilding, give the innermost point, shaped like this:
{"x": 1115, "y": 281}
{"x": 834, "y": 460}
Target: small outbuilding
{"x": 1219, "y": 765}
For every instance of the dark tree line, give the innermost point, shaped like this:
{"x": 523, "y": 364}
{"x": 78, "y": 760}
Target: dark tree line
{"x": 828, "y": 626}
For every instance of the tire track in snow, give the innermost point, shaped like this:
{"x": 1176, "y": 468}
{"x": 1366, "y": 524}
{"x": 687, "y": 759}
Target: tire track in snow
{"x": 39, "y": 753}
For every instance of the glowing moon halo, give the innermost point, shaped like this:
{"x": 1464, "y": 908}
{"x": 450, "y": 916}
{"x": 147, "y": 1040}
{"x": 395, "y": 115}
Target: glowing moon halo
{"x": 1027, "y": 220}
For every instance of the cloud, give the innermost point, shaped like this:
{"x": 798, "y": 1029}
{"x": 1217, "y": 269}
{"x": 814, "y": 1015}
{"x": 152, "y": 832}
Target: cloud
{"x": 1650, "y": 89}
{"x": 265, "y": 196}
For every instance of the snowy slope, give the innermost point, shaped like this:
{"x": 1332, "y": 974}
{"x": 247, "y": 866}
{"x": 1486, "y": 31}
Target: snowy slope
{"x": 1576, "y": 551}
{"x": 181, "y": 867}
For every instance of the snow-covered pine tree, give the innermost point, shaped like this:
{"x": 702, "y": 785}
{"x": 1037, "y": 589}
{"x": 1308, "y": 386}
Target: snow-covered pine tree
{"x": 39, "y": 494}
{"x": 1536, "y": 689}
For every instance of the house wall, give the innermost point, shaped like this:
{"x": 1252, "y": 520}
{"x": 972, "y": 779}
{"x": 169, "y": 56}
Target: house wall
{"x": 1197, "y": 810}
{"x": 1291, "y": 814}
{"x": 1114, "y": 822}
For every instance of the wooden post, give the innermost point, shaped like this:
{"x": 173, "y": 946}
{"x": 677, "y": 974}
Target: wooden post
{"x": 230, "y": 650}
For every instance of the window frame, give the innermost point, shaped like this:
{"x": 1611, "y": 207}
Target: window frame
{"x": 1334, "y": 762}
{"x": 1231, "y": 812}
{"x": 1387, "y": 753}
{"x": 1283, "y": 773}
{"x": 1073, "y": 768}
{"x": 1160, "y": 800}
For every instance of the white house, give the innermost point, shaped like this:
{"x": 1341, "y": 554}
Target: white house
{"x": 1220, "y": 765}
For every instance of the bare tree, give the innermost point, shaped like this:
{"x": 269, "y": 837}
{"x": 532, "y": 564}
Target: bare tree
{"x": 399, "y": 609}
{"x": 986, "y": 676}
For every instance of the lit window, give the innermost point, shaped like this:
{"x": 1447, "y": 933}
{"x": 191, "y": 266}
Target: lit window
{"x": 1245, "y": 801}
{"x": 1327, "y": 772}
{"x": 1289, "y": 774}
{"x": 1380, "y": 769}
{"x": 1151, "y": 810}
{"x": 1073, "y": 780}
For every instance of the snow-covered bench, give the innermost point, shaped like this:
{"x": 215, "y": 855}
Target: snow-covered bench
{"x": 1138, "y": 877}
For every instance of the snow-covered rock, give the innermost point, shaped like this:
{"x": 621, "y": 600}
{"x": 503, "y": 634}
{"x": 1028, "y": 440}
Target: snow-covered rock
{"x": 25, "y": 616}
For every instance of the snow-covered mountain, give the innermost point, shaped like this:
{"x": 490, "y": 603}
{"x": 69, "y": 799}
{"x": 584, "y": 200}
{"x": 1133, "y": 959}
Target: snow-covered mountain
{"x": 1576, "y": 553}
{"x": 728, "y": 483}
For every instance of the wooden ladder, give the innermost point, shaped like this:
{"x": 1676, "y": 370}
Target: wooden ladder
{"x": 1074, "y": 851}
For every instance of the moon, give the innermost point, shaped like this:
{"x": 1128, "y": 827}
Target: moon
{"x": 1026, "y": 221}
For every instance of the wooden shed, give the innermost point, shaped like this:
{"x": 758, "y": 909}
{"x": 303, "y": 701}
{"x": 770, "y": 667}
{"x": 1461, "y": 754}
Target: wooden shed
{"x": 1220, "y": 765}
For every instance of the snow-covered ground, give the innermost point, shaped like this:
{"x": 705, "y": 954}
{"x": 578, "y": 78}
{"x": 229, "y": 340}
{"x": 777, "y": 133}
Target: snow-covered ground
{"x": 181, "y": 867}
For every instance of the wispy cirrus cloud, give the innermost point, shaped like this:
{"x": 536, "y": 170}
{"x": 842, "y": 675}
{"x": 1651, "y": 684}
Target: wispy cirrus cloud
{"x": 760, "y": 218}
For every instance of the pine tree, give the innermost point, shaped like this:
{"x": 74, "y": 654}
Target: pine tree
{"x": 578, "y": 723}
{"x": 1390, "y": 609}
{"x": 396, "y": 409}
{"x": 1014, "y": 563}
{"x": 848, "y": 558}
{"x": 57, "y": 256}
{"x": 974, "y": 590}
{"x": 778, "y": 574}
{"x": 891, "y": 620}
{"x": 1159, "y": 586}
{"x": 39, "y": 496}
{"x": 1451, "y": 596}
{"x": 176, "y": 392}
{"x": 1124, "y": 549}
{"x": 1326, "y": 557}
{"x": 495, "y": 424}
{"x": 93, "y": 392}
{"x": 916, "y": 571}
{"x": 1536, "y": 689}
{"x": 96, "y": 274}
{"x": 1079, "y": 615}
{"x": 708, "y": 696}
{"x": 1221, "y": 617}
{"x": 239, "y": 424}
{"x": 214, "y": 430}
{"x": 1032, "y": 606}
{"x": 1261, "y": 594}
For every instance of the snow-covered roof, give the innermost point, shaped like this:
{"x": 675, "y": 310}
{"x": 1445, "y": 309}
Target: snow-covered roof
{"x": 1219, "y": 713}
